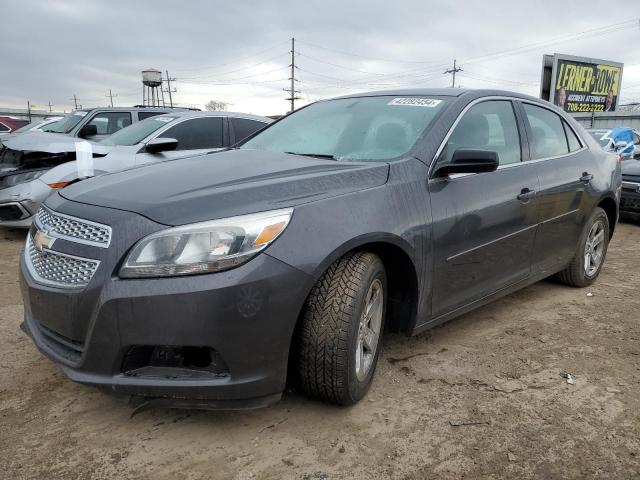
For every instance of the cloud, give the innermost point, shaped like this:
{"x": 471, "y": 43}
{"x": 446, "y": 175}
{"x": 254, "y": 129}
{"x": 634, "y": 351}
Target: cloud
{"x": 238, "y": 51}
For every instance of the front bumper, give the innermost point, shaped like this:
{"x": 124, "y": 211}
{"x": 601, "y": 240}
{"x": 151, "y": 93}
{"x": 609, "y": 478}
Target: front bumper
{"x": 19, "y": 203}
{"x": 246, "y": 315}
{"x": 630, "y": 198}
{"x": 15, "y": 215}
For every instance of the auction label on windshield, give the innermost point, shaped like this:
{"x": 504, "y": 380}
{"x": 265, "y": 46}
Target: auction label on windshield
{"x": 415, "y": 102}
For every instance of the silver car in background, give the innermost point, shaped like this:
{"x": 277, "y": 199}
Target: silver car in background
{"x": 158, "y": 138}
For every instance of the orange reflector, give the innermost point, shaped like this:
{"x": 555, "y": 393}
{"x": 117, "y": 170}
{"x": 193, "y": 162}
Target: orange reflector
{"x": 58, "y": 185}
{"x": 269, "y": 233}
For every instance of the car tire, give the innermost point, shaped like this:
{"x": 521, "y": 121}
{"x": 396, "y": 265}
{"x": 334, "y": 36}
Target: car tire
{"x": 341, "y": 329}
{"x": 584, "y": 269}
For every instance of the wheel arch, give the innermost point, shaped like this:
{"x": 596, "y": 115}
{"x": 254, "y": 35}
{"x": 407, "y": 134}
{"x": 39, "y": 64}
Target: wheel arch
{"x": 398, "y": 256}
{"x": 610, "y": 207}
{"x": 402, "y": 285}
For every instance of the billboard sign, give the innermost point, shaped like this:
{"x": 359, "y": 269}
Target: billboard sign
{"x": 581, "y": 84}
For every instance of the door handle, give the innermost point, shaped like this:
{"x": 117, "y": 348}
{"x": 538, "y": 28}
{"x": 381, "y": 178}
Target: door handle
{"x": 526, "y": 194}
{"x": 586, "y": 177}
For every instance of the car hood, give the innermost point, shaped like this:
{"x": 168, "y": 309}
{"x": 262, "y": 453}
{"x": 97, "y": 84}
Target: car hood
{"x": 224, "y": 184}
{"x": 37, "y": 141}
{"x": 631, "y": 167}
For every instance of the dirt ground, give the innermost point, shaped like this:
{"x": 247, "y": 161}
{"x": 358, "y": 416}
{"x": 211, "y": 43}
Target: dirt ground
{"x": 496, "y": 370}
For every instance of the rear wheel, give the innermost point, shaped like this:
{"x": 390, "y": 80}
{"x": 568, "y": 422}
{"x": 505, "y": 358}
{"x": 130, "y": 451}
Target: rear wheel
{"x": 592, "y": 249}
{"x": 341, "y": 329}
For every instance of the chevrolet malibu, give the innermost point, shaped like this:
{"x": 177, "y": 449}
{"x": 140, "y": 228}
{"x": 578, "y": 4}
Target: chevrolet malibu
{"x": 288, "y": 257}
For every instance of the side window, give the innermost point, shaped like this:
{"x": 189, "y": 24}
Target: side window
{"x": 244, "y": 127}
{"x": 636, "y": 139}
{"x": 549, "y": 139}
{"x": 197, "y": 133}
{"x": 489, "y": 125}
{"x": 110, "y": 122}
{"x": 572, "y": 139}
{"x": 4, "y": 128}
{"x": 143, "y": 115}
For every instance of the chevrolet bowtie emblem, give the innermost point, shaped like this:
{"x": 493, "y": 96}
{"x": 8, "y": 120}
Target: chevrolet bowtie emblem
{"x": 42, "y": 240}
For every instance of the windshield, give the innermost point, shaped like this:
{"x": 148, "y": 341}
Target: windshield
{"x": 134, "y": 134}
{"x": 365, "y": 128}
{"x": 29, "y": 126}
{"x": 66, "y": 123}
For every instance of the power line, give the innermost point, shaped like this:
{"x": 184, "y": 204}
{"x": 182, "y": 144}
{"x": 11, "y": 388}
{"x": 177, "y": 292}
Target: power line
{"x": 238, "y": 60}
{"x": 247, "y": 67}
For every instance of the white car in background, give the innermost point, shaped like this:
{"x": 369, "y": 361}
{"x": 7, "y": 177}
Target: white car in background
{"x": 163, "y": 137}
{"x": 37, "y": 125}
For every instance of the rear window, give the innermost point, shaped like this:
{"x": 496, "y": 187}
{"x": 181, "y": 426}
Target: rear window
{"x": 549, "y": 139}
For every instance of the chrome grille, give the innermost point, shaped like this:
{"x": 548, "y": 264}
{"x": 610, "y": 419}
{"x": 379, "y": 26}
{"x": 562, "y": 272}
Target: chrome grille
{"x": 74, "y": 229}
{"x": 59, "y": 269}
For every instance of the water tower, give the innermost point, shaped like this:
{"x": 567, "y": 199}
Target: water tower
{"x": 152, "y": 93}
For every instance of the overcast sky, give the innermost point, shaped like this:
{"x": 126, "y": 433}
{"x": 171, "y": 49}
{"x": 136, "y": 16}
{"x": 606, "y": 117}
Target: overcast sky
{"x": 238, "y": 52}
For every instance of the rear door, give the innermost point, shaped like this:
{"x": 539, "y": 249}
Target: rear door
{"x": 483, "y": 224}
{"x": 565, "y": 170}
{"x": 195, "y": 136}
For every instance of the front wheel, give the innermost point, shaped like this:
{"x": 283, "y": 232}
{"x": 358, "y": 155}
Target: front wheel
{"x": 592, "y": 249}
{"x": 343, "y": 321}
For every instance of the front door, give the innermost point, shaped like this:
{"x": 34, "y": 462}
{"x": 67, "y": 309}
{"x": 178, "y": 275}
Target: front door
{"x": 483, "y": 224}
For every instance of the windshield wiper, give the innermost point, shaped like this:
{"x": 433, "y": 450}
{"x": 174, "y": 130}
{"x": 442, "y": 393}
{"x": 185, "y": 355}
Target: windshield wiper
{"x": 313, "y": 155}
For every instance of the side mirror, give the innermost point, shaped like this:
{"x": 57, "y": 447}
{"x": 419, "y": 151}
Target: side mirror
{"x": 469, "y": 160}
{"x": 158, "y": 145}
{"x": 89, "y": 130}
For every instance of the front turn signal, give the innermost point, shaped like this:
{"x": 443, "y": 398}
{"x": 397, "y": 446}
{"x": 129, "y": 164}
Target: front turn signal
{"x": 58, "y": 184}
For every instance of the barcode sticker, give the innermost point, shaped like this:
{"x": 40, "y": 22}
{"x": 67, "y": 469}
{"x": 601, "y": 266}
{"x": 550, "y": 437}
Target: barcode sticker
{"x": 415, "y": 102}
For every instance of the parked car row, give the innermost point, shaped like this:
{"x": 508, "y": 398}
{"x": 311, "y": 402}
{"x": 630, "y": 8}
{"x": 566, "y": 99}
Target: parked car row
{"x": 9, "y": 125}
{"x": 37, "y": 162}
{"x": 212, "y": 281}
{"x": 625, "y": 142}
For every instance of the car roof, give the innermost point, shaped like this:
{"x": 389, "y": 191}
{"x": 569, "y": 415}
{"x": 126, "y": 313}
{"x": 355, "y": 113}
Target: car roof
{"x": 192, "y": 114}
{"x": 132, "y": 109}
{"x": 443, "y": 92}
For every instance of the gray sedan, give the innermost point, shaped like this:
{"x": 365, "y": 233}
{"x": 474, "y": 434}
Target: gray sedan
{"x": 282, "y": 260}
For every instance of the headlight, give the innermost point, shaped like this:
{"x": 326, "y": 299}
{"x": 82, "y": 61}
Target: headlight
{"x": 18, "y": 178}
{"x": 204, "y": 247}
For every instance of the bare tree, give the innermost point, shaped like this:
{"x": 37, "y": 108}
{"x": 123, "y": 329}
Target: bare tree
{"x": 216, "y": 105}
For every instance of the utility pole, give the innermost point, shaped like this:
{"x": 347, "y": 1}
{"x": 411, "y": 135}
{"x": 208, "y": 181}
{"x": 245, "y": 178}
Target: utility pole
{"x": 75, "y": 101}
{"x": 453, "y": 73}
{"x": 29, "y": 110}
{"x": 110, "y": 97}
{"x": 169, "y": 91}
{"x": 50, "y": 105}
{"x": 292, "y": 91}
